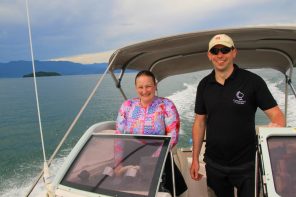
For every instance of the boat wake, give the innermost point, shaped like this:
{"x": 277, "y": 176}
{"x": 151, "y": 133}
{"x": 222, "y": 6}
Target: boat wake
{"x": 19, "y": 186}
{"x": 280, "y": 98}
{"x": 184, "y": 101}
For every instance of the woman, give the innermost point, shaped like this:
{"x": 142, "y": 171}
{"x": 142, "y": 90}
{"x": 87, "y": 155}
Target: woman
{"x": 151, "y": 115}
{"x": 148, "y": 114}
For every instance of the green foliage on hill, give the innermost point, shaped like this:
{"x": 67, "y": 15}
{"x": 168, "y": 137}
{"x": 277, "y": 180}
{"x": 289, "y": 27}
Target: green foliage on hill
{"x": 42, "y": 74}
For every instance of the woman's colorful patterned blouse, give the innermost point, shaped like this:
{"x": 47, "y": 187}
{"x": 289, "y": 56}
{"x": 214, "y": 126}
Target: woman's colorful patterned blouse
{"x": 159, "y": 118}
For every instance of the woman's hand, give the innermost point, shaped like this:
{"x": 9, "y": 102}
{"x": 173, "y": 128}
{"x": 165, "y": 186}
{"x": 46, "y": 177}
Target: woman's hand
{"x": 121, "y": 170}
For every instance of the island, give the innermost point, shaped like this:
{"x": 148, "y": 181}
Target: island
{"x": 42, "y": 74}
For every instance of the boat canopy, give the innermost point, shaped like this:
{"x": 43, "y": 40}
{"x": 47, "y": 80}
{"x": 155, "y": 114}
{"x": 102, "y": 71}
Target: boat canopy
{"x": 258, "y": 47}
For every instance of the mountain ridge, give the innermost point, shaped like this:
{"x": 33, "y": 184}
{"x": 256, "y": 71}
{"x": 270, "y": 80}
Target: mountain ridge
{"x": 16, "y": 69}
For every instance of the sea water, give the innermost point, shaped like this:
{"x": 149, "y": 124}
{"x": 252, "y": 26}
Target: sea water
{"x": 61, "y": 98}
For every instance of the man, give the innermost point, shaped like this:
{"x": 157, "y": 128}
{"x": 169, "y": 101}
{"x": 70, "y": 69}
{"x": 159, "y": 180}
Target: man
{"x": 225, "y": 107}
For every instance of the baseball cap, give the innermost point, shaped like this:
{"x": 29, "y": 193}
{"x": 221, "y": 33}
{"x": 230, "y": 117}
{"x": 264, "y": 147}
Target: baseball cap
{"x": 222, "y": 39}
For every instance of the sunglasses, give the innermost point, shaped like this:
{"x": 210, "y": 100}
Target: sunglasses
{"x": 224, "y": 50}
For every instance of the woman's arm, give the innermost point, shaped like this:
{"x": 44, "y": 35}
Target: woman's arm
{"x": 172, "y": 122}
{"x": 120, "y": 125}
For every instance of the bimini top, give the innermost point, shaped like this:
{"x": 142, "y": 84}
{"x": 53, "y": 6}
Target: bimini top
{"x": 258, "y": 47}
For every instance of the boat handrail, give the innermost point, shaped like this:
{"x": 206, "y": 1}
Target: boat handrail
{"x": 289, "y": 81}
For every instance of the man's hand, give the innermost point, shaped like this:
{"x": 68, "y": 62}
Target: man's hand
{"x": 195, "y": 175}
{"x": 271, "y": 124}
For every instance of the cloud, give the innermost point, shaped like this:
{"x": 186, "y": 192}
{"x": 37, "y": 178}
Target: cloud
{"x": 74, "y": 27}
{"x": 90, "y": 58}
{"x": 150, "y": 19}
{"x": 12, "y": 12}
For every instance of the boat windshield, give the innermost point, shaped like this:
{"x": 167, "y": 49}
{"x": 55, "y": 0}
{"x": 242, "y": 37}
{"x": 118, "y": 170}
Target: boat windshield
{"x": 119, "y": 165}
{"x": 282, "y": 152}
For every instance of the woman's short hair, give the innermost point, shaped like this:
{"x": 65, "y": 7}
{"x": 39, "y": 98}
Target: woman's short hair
{"x": 145, "y": 73}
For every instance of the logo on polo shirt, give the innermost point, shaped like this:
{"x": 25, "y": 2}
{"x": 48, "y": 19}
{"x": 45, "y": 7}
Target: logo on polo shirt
{"x": 239, "y": 98}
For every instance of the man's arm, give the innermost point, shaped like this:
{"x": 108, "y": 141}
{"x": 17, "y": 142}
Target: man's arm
{"x": 276, "y": 117}
{"x": 198, "y": 133}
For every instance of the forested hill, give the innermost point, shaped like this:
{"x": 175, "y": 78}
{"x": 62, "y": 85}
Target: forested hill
{"x": 16, "y": 69}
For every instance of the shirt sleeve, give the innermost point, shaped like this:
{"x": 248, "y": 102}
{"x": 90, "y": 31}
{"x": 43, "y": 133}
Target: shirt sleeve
{"x": 120, "y": 125}
{"x": 122, "y": 117}
{"x": 172, "y": 121}
{"x": 199, "y": 102}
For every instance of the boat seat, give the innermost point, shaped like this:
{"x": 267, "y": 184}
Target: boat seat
{"x": 183, "y": 159}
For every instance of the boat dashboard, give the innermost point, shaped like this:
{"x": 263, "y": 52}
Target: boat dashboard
{"x": 108, "y": 164}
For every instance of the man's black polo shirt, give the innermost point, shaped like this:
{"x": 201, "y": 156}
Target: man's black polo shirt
{"x": 230, "y": 110}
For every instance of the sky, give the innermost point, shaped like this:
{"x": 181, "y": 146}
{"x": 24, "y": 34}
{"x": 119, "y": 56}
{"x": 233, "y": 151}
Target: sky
{"x": 91, "y": 29}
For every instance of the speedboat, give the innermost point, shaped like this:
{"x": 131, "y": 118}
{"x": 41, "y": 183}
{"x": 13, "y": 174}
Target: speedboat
{"x": 89, "y": 170}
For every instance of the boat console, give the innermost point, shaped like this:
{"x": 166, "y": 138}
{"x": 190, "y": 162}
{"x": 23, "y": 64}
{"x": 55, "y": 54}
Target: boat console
{"x": 277, "y": 161}
{"x": 108, "y": 164}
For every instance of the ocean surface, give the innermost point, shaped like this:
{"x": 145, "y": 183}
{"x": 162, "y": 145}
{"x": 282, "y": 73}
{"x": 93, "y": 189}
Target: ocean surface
{"x": 61, "y": 99}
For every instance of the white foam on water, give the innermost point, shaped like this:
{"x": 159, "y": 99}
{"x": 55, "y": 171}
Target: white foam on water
{"x": 18, "y": 186}
{"x": 280, "y": 98}
{"x": 185, "y": 100}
